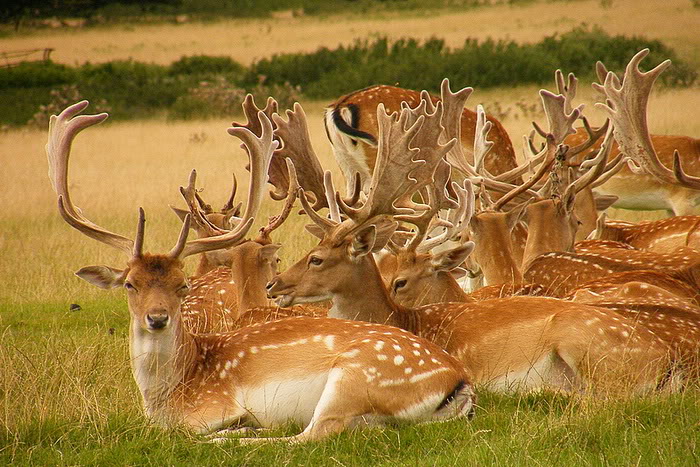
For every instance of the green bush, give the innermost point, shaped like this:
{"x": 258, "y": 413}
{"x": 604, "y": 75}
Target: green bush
{"x": 204, "y": 65}
{"x": 133, "y": 89}
{"x": 202, "y": 86}
{"x": 36, "y": 74}
{"x": 221, "y": 99}
{"x": 422, "y": 65}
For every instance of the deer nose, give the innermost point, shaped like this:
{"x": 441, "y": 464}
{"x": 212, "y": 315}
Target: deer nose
{"x": 157, "y": 320}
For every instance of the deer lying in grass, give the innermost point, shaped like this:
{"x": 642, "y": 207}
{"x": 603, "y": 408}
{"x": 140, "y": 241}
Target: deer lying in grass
{"x": 662, "y": 236}
{"x": 237, "y": 286}
{"x": 520, "y": 342}
{"x": 323, "y": 373}
{"x": 627, "y": 109}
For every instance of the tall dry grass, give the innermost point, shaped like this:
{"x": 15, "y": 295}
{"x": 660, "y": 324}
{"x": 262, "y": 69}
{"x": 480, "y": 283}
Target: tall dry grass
{"x": 673, "y": 21}
{"x": 118, "y": 167}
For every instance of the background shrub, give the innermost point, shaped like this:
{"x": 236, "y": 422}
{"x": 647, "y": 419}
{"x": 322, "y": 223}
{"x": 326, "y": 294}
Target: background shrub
{"x": 203, "y": 65}
{"x": 202, "y": 86}
{"x": 417, "y": 64}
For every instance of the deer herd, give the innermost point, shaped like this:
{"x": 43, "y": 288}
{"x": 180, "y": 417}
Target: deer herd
{"x": 446, "y": 265}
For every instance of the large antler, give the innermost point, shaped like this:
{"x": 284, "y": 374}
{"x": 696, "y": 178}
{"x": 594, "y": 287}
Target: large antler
{"x": 457, "y": 219}
{"x": 409, "y": 152}
{"x": 259, "y": 150}
{"x": 62, "y": 130}
{"x": 627, "y": 108}
{"x": 275, "y": 221}
{"x": 296, "y": 145}
{"x": 457, "y": 158}
{"x": 407, "y": 157}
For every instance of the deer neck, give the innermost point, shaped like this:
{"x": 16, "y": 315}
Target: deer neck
{"x": 250, "y": 288}
{"x": 204, "y": 265}
{"x": 159, "y": 362}
{"x": 446, "y": 289}
{"x": 499, "y": 266}
{"x": 363, "y": 296}
{"x": 496, "y": 259}
{"x": 545, "y": 234}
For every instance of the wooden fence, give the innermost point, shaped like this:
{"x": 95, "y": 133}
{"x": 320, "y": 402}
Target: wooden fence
{"x": 15, "y": 57}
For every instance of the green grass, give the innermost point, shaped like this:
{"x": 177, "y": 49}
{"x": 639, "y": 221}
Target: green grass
{"x": 67, "y": 398}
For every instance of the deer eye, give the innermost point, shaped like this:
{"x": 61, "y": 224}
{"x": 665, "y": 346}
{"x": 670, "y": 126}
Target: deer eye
{"x": 315, "y": 260}
{"x": 129, "y": 286}
{"x": 183, "y": 289}
{"x": 399, "y": 284}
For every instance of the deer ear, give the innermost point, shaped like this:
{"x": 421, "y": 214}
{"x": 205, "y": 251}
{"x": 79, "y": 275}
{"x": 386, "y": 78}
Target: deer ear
{"x": 568, "y": 200}
{"x": 385, "y": 230}
{"x": 181, "y": 213}
{"x": 315, "y": 230}
{"x": 603, "y": 202}
{"x": 103, "y": 277}
{"x": 363, "y": 242}
{"x": 516, "y": 214}
{"x": 268, "y": 253}
{"x": 452, "y": 258}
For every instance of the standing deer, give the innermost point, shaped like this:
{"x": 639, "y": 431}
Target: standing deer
{"x": 322, "y": 373}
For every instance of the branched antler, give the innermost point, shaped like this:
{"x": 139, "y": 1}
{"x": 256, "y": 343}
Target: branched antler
{"x": 627, "y": 108}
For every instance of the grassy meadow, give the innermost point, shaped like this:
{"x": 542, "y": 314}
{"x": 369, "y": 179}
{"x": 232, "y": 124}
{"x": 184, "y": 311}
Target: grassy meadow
{"x": 67, "y": 396}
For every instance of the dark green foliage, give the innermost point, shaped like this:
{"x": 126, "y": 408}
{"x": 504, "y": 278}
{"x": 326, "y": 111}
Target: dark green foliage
{"x": 132, "y": 89}
{"x": 36, "y": 74}
{"x": 202, "y": 86}
{"x": 204, "y": 65}
{"x": 422, "y": 65}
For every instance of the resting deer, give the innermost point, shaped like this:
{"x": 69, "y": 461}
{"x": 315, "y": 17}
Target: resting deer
{"x": 649, "y": 184}
{"x": 521, "y": 342}
{"x": 661, "y": 236}
{"x": 563, "y": 272}
{"x": 237, "y": 286}
{"x": 319, "y": 372}
{"x": 252, "y": 264}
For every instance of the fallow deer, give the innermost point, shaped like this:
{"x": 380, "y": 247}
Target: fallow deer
{"x": 323, "y": 373}
{"x": 230, "y": 292}
{"x": 661, "y": 236}
{"x": 673, "y": 319}
{"x": 562, "y": 272}
{"x": 521, "y": 342}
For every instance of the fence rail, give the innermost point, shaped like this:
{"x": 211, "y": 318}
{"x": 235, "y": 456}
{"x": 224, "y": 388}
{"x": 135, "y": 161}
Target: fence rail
{"x": 15, "y": 57}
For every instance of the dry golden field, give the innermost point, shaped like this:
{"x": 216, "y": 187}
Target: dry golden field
{"x": 120, "y": 166}
{"x": 674, "y": 21}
